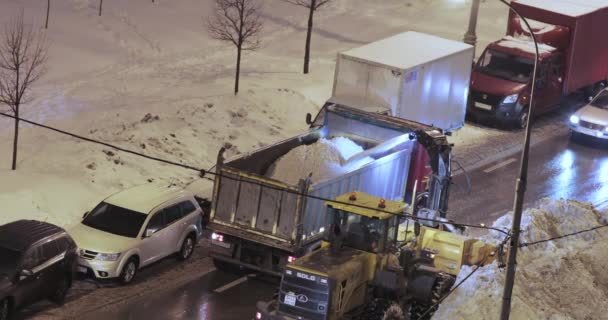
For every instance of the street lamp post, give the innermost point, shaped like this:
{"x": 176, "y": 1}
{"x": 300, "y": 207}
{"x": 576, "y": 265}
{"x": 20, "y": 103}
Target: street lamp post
{"x": 470, "y": 37}
{"x": 520, "y": 190}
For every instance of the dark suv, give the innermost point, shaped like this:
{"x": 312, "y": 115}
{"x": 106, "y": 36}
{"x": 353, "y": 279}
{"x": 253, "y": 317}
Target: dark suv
{"x": 37, "y": 261}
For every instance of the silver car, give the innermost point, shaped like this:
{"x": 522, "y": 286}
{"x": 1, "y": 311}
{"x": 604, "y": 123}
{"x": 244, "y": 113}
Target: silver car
{"x": 136, "y": 227}
{"x": 592, "y": 119}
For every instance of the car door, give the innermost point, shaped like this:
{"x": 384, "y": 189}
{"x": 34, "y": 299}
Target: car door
{"x": 29, "y": 288}
{"x": 191, "y": 215}
{"x": 175, "y": 227}
{"x": 153, "y": 246}
{"x": 548, "y": 88}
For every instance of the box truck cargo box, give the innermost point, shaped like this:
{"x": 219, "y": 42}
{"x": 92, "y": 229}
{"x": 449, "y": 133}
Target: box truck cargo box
{"x": 411, "y": 75}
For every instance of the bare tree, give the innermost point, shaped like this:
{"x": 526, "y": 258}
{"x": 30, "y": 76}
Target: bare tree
{"x": 23, "y": 55}
{"x": 237, "y": 22}
{"x": 312, "y": 6}
{"x": 48, "y": 8}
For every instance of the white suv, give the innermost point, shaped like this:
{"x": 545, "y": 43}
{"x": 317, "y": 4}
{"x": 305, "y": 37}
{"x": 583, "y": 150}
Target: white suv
{"x": 136, "y": 227}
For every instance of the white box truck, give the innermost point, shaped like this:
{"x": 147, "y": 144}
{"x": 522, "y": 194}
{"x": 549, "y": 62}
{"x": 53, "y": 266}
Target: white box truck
{"x": 411, "y": 75}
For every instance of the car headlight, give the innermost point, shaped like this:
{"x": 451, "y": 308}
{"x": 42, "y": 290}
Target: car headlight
{"x": 511, "y": 99}
{"x": 107, "y": 256}
{"x": 574, "y": 119}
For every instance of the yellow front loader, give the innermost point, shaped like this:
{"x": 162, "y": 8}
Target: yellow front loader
{"x": 373, "y": 265}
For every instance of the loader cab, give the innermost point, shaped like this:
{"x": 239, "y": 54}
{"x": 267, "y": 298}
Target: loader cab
{"x": 363, "y": 222}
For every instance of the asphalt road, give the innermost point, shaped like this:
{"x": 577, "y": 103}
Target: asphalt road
{"x": 214, "y": 296}
{"x": 558, "y": 168}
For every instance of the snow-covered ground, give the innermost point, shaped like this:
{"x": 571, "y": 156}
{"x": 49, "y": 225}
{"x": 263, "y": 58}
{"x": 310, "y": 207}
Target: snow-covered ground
{"x": 106, "y": 74}
{"x": 558, "y": 280}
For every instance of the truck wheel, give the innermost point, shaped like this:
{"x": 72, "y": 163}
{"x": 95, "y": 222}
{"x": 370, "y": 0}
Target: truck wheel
{"x": 522, "y": 121}
{"x": 5, "y": 310}
{"x": 187, "y": 248}
{"x": 227, "y": 267}
{"x": 129, "y": 270}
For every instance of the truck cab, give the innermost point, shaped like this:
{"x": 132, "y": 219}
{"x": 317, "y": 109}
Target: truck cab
{"x": 501, "y": 80}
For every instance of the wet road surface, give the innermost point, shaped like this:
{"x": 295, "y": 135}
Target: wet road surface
{"x": 558, "y": 168}
{"x": 214, "y": 296}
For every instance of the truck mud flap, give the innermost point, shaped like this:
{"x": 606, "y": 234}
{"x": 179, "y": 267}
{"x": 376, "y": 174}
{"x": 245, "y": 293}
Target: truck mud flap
{"x": 244, "y": 265}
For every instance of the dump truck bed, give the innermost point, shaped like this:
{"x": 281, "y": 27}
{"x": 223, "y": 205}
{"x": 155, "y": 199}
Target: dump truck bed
{"x": 249, "y": 205}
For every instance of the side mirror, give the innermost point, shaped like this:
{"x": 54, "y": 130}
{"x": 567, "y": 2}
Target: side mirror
{"x": 308, "y": 118}
{"x": 85, "y": 214}
{"x": 149, "y": 233}
{"x": 25, "y": 273}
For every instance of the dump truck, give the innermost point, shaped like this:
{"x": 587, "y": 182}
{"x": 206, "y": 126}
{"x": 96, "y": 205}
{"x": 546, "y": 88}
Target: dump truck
{"x": 411, "y": 75}
{"x": 261, "y": 223}
{"x": 372, "y": 264}
{"x": 573, "y": 56}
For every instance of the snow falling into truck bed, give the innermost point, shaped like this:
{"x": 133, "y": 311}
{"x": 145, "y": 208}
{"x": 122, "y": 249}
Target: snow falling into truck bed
{"x": 562, "y": 279}
{"x": 324, "y": 159}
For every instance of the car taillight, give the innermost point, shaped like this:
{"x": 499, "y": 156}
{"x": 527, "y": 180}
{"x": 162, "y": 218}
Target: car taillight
{"x": 291, "y": 259}
{"x": 258, "y": 315}
{"x": 217, "y": 237}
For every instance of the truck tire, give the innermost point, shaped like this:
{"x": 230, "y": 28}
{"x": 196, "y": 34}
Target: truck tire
{"x": 442, "y": 285}
{"x": 227, "y": 267}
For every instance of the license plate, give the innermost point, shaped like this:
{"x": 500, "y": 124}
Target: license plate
{"x": 483, "y": 106}
{"x": 290, "y": 299}
{"x": 81, "y": 269}
{"x": 221, "y": 244}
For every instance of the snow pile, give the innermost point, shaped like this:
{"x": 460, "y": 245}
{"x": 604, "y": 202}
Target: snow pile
{"x": 561, "y": 279}
{"x": 324, "y": 159}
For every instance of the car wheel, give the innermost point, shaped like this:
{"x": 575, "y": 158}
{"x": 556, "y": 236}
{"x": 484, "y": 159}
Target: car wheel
{"x": 187, "y": 248}
{"x": 61, "y": 290}
{"x": 5, "y": 310}
{"x": 522, "y": 121}
{"x": 129, "y": 270}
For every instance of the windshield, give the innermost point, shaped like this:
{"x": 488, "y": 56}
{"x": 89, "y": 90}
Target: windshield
{"x": 8, "y": 261}
{"x": 120, "y": 221}
{"x": 505, "y": 66}
{"x": 601, "y": 101}
{"x": 360, "y": 232}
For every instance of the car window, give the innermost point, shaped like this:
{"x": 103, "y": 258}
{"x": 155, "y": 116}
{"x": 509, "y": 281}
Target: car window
{"x": 156, "y": 222}
{"x": 172, "y": 214}
{"x": 50, "y": 250}
{"x": 33, "y": 258}
{"x": 187, "y": 207}
{"x": 64, "y": 244}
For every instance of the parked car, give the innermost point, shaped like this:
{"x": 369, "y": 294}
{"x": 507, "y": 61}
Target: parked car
{"x": 136, "y": 227}
{"x": 592, "y": 119}
{"x": 37, "y": 261}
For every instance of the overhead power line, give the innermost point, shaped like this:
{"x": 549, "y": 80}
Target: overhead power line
{"x": 204, "y": 172}
{"x": 526, "y": 244}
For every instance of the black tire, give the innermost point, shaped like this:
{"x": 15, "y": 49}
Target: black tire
{"x": 441, "y": 287}
{"x": 227, "y": 267}
{"x": 60, "y": 291}
{"x": 129, "y": 271}
{"x": 187, "y": 248}
{"x": 6, "y": 310}
{"x": 382, "y": 309}
{"x": 522, "y": 120}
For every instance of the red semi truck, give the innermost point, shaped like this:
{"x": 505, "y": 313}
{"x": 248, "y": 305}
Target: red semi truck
{"x": 573, "y": 56}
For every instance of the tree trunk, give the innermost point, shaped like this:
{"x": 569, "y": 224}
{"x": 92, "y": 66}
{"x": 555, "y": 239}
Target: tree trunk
{"x": 15, "y": 138}
{"x": 238, "y": 70}
{"x": 308, "y": 35}
{"x": 100, "y": 5}
{"x": 48, "y": 8}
